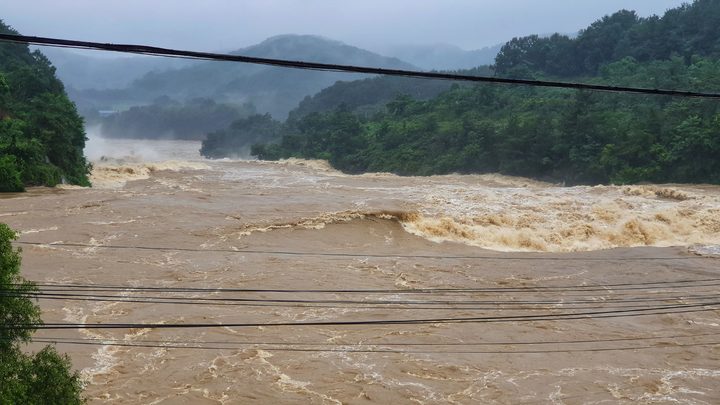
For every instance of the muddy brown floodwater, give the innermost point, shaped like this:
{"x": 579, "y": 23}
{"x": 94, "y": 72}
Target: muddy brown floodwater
{"x": 568, "y": 294}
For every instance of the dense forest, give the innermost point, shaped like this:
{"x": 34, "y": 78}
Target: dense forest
{"x": 553, "y": 134}
{"x": 687, "y": 31}
{"x": 41, "y": 134}
{"x": 169, "y": 119}
{"x": 369, "y": 96}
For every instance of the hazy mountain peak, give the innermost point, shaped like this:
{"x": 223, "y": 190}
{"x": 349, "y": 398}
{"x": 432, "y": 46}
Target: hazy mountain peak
{"x": 308, "y": 39}
{"x": 442, "y": 56}
{"x": 270, "y": 89}
{"x": 317, "y": 48}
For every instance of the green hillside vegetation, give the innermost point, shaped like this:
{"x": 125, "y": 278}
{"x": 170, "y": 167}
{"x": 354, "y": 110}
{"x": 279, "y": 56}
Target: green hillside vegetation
{"x": 168, "y": 119}
{"x": 364, "y": 98}
{"x": 687, "y": 31}
{"x": 552, "y": 134}
{"x": 44, "y": 377}
{"x": 41, "y": 135}
{"x": 369, "y": 96}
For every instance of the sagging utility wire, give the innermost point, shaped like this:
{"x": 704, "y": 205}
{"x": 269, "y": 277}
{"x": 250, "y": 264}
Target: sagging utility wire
{"x": 389, "y": 344}
{"x": 614, "y": 313}
{"x": 176, "y": 53}
{"x": 637, "y": 303}
{"x": 382, "y": 350}
{"x": 357, "y": 255}
{"x": 651, "y": 285}
{"x": 459, "y": 301}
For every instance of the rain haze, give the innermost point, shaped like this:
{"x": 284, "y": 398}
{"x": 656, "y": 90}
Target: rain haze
{"x": 541, "y": 227}
{"x": 370, "y": 24}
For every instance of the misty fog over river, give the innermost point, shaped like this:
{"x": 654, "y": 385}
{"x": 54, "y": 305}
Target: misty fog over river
{"x": 568, "y": 294}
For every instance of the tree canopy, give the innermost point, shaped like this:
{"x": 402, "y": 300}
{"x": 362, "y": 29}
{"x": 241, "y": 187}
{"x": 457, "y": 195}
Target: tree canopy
{"x": 41, "y": 134}
{"x": 45, "y": 377}
{"x": 569, "y": 136}
{"x": 686, "y": 31}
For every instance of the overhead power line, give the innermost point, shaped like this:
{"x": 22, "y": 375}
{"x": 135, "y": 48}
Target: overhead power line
{"x": 614, "y": 313}
{"x": 533, "y": 305}
{"x": 649, "y": 285}
{"x": 392, "y": 344}
{"x": 378, "y": 350}
{"x": 176, "y": 53}
{"x": 358, "y": 255}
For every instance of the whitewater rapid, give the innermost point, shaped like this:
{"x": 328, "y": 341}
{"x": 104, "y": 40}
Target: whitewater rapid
{"x": 160, "y": 216}
{"x": 489, "y": 211}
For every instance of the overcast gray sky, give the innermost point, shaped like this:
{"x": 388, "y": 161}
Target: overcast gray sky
{"x": 374, "y": 24}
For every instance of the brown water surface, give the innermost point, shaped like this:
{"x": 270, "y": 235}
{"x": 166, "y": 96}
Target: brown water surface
{"x": 637, "y": 265}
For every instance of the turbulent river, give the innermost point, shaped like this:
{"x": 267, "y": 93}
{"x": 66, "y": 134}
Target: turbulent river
{"x": 476, "y": 289}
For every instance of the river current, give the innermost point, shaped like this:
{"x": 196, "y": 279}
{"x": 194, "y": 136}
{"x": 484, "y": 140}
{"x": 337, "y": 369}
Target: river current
{"x": 528, "y": 292}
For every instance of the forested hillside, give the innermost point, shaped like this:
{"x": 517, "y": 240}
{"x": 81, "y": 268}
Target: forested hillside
{"x": 686, "y": 31}
{"x": 559, "y": 135}
{"x": 41, "y": 135}
{"x": 368, "y": 96}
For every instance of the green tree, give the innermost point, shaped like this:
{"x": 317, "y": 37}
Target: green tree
{"x": 45, "y": 377}
{"x": 41, "y": 134}
{"x": 238, "y": 138}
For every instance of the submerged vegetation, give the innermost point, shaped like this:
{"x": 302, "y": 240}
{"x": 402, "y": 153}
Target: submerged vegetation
{"x": 41, "y": 134}
{"x": 576, "y": 137}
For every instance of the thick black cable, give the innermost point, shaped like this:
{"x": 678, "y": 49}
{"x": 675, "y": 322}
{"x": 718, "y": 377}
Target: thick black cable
{"x": 157, "y": 51}
{"x": 660, "y": 310}
{"x": 360, "y": 255}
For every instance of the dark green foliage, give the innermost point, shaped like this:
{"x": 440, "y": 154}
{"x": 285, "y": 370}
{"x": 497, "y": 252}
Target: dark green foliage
{"x": 14, "y": 310}
{"x": 45, "y": 377}
{"x": 41, "y": 378}
{"x": 166, "y": 119}
{"x": 39, "y": 127}
{"x": 551, "y": 134}
{"x": 558, "y": 135}
{"x": 334, "y": 136}
{"x": 369, "y": 96}
{"x": 10, "y": 175}
{"x": 237, "y": 139}
{"x": 686, "y": 31}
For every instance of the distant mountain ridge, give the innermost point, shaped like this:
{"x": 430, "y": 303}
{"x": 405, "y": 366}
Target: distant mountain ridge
{"x": 272, "y": 90}
{"x": 443, "y": 56}
{"x": 87, "y": 70}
